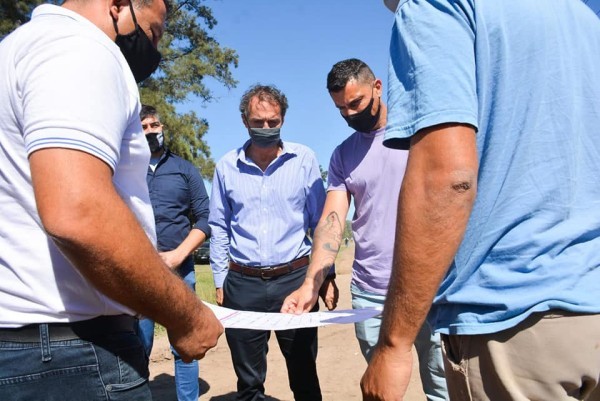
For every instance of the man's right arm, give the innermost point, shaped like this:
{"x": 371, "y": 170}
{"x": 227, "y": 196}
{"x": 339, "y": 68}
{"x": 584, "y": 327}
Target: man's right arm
{"x": 82, "y": 212}
{"x": 326, "y": 244}
{"x": 219, "y": 221}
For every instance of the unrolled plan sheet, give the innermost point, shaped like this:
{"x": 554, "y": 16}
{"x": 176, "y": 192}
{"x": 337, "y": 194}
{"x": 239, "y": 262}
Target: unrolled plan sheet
{"x": 234, "y": 319}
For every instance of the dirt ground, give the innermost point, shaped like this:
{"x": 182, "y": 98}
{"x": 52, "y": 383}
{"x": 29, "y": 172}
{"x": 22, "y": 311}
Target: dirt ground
{"x": 340, "y": 363}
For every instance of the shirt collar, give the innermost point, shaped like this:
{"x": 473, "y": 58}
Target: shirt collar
{"x": 285, "y": 150}
{"x": 373, "y": 134}
{"x": 51, "y": 9}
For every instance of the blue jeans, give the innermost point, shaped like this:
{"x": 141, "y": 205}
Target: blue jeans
{"x": 428, "y": 345}
{"x": 113, "y": 367}
{"x": 186, "y": 374}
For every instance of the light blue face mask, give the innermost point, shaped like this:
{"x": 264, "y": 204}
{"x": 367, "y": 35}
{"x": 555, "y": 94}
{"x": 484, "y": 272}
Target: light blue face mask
{"x": 265, "y": 137}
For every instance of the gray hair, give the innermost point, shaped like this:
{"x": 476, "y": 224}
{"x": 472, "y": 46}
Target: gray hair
{"x": 145, "y": 3}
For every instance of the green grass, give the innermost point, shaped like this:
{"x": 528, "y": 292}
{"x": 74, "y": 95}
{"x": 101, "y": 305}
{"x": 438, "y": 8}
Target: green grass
{"x": 205, "y": 286}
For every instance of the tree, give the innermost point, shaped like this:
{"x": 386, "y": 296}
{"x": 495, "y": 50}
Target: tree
{"x": 190, "y": 55}
{"x": 323, "y": 173}
{"x": 16, "y": 12}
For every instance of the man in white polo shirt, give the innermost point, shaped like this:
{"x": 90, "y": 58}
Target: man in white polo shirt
{"x": 77, "y": 221}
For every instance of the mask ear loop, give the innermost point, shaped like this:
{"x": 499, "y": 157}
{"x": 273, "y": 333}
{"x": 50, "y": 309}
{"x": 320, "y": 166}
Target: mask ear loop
{"x": 132, "y": 17}
{"x": 133, "y": 14}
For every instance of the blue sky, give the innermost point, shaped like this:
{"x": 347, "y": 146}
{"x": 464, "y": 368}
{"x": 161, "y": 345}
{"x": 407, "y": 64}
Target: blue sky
{"x": 293, "y": 44}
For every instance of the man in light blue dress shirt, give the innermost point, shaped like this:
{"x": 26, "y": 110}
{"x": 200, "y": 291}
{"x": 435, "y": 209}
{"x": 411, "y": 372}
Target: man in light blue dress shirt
{"x": 266, "y": 196}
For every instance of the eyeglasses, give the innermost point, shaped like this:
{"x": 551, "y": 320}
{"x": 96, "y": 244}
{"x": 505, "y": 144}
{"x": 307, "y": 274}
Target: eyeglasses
{"x": 155, "y": 124}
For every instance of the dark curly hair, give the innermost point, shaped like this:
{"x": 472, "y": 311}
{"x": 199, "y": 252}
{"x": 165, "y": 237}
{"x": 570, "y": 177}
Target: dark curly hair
{"x": 268, "y": 93}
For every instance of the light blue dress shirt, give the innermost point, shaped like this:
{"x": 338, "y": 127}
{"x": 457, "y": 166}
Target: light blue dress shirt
{"x": 261, "y": 218}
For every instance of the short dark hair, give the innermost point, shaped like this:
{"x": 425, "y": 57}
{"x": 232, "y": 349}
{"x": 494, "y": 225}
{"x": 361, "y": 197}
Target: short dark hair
{"x": 269, "y": 93}
{"x": 347, "y": 70}
{"x": 148, "y": 111}
{"x": 144, "y": 3}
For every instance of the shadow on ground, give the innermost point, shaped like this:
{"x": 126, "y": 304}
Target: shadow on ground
{"x": 231, "y": 397}
{"x": 163, "y": 389}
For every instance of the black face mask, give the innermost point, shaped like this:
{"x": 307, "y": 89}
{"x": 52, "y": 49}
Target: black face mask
{"x": 156, "y": 142}
{"x": 364, "y": 121}
{"x": 265, "y": 137}
{"x": 140, "y": 53}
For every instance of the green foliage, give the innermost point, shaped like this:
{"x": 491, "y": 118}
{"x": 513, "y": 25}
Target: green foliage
{"x": 190, "y": 55}
{"x": 16, "y": 12}
{"x": 323, "y": 173}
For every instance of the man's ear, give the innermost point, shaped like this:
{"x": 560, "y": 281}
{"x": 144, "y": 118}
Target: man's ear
{"x": 378, "y": 87}
{"x": 116, "y": 6}
{"x": 244, "y": 120}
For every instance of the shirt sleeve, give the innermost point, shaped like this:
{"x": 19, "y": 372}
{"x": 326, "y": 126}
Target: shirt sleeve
{"x": 432, "y": 74}
{"x": 199, "y": 200}
{"x": 220, "y": 226}
{"x": 315, "y": 199}
{"x": 335, "y": 176}
{"x": 78, "y": 100}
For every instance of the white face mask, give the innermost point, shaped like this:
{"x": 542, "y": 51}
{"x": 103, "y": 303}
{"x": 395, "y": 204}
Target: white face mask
{"x": 391, "y": 4}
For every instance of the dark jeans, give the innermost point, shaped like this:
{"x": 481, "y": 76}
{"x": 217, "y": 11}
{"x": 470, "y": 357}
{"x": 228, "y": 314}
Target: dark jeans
{"x": 110, "y": 367}
{"x": 249, "y": 347}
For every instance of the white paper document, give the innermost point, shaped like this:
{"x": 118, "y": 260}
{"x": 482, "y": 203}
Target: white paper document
{"x": 234, "y": 319}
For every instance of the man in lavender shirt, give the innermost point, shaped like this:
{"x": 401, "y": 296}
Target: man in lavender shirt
{"x": 363, "y": 168}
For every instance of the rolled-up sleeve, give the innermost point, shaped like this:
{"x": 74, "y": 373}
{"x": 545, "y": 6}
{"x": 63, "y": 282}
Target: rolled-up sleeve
{"x": 199, "y": 201}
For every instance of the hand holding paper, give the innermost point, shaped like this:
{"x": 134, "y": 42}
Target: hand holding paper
{"x": 283, "y": 321}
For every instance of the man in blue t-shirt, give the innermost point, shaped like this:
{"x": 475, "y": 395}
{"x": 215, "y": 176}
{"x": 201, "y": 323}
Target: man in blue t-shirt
{"x": 499, "y": 102}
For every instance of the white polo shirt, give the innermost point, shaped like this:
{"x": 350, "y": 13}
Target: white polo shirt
{"x": 65, "y": 84}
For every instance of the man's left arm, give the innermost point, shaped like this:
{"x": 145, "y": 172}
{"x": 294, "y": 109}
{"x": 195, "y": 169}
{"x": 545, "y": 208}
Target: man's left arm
{"x": 201, "y": 230}
{"x": 435, "y": 203}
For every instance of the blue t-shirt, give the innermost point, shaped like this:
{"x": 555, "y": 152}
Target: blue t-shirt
{"x": 526, "y": 75}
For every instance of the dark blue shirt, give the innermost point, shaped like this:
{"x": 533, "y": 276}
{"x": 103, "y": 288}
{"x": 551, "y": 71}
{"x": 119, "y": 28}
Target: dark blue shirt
{"x": 177, "y": 194}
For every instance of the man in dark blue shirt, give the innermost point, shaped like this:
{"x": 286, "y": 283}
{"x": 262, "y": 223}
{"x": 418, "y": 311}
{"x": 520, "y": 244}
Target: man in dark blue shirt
{"x": 177, "y": 194}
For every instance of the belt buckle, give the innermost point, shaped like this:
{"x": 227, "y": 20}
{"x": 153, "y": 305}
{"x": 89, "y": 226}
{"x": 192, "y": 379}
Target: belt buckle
{"x": 265, "y": 269}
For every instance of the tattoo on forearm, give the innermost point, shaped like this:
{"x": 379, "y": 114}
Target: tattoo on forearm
{"x": 327, "y": 238}
{"x": 331, "y": 231}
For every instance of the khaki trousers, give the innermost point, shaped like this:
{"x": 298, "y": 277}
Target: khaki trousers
{"x": 551, "y": 356}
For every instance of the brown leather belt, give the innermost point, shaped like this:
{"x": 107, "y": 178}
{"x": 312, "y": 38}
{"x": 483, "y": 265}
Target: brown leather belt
{"x": 267, "y": 272}
{"x": 86, "y": 329}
